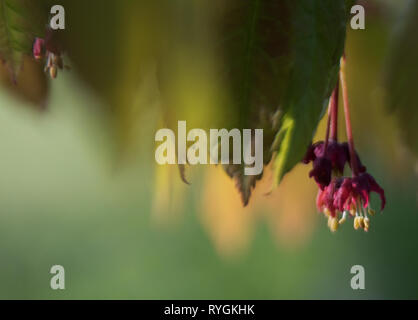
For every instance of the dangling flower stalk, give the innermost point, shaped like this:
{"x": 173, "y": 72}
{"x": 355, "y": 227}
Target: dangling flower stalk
{"x": 340, "y": 196}
{"x": 353, "y": 158}
{"x": 328, "y": 129}
{"x": 332, "y": 121}
{"x": 49, "y": 49}
{"x": 334, "y": 113}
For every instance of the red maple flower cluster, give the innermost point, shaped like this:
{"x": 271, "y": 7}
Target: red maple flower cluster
{"x": 340, "y": 196}
{"x": 48, "y": 48}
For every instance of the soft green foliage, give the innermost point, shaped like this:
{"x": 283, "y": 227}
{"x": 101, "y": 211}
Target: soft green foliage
{"x": 250, "y": 64}
{"x": 401, "y": 77}
{"x": 273, "y": 63}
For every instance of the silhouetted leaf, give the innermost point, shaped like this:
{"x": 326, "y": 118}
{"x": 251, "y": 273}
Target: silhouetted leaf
{"x": 254, "y": 49}
{"x": 20, "y": 22}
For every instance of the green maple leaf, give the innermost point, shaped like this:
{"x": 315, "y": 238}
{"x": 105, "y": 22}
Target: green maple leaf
{"x": 317, "y": 43}
{"x": 282, "y": 61}
{"x": 255, "y": 56}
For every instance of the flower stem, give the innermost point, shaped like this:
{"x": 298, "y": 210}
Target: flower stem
{"x": 334, "y": 112}
{"x": 332, "y": 122}
{"x": 353, "y": 158}
{"x": 324, "y": 152}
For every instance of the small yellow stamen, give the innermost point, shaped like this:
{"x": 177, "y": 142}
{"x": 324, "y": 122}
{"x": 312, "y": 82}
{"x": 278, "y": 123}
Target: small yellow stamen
{"x": 327, "y": 212}
{"x": 366, "y": 224}
{"x": 361, "y": 222}
{"x": 356, "y": 223}
{"x": 53, "y": 72}
{"x": 329, "y": 221}
{"x": 334, "y": 224}
{"x": 371, "y": 212}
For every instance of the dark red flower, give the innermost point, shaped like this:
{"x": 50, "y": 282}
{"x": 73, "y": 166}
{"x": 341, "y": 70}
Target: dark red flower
{"x": 325, "y": 163}
{"x": 333, "y": 160}
{"x": 325, "y": 204}
{"x": 336, "y": 152}
{"x": 38, "y": 49}
{"x": 49, "y": 48}
{"x": 322, "y": 169}
{"x": 356, "y": 191}
{"x": 341, "y": 196}
{"x": 349, "y": 195}
{"x": 325, "y": 198}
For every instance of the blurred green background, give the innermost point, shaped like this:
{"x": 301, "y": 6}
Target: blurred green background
{"x": 121, "y": 233}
